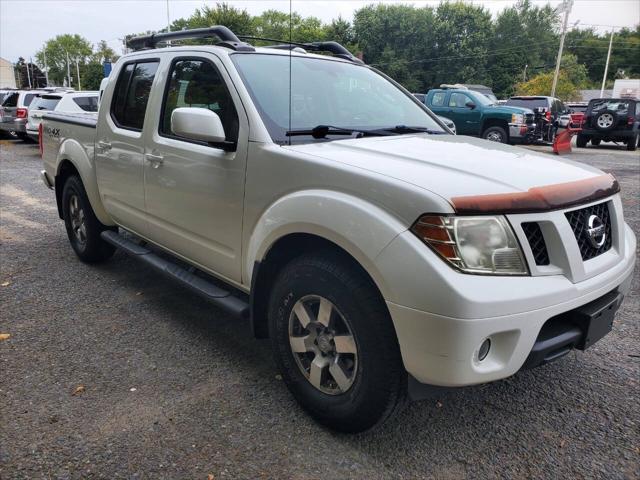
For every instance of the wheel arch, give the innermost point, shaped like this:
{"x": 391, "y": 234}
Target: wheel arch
{"x": 495, "y": 122}
{"x": 349, "y": 227}
{"x": 73, "y": 159}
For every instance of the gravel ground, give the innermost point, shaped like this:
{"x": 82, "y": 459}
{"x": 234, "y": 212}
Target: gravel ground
{"x": 113, "y": 372}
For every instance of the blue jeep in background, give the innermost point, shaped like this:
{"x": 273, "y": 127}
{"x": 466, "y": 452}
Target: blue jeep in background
{"x": 475, "y": 114}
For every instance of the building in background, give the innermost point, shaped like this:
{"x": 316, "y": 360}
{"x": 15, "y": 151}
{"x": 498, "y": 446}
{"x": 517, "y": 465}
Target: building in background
{"x": 7, "y": 75}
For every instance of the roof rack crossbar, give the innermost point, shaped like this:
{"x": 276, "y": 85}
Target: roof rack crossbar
{"x": 335, "y": 48}
{"x": 227, "y": 37}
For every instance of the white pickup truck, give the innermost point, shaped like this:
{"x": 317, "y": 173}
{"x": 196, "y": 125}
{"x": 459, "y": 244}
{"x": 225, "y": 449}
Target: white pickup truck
{"x": 319, "y": 199}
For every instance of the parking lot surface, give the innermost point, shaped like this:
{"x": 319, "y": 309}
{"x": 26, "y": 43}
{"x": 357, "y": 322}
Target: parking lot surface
{"x": 113, "y": 372}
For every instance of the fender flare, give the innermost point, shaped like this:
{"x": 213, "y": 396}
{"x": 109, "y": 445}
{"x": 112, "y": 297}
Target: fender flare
{"x": 72, "y": 151}
{"x": 361, "y": 228}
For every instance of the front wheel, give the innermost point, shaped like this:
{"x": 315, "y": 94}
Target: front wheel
{"x": 335, "y": 344}
{"x": 83, "y": 228}
{"x": 495, "y": 134}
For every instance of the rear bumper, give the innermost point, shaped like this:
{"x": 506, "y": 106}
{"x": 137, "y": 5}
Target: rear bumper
{"x": 613, "y": 134}
{"x": 17, "y": 126}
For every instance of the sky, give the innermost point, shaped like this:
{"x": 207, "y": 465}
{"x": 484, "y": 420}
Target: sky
{"x": 25, "y": 25}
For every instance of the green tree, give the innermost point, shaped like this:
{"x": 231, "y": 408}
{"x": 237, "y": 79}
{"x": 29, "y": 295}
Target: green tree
{"x": 102, "y": 52}
{"x": 572, "y": 78}
{"x": 91, "y": 75}
{"x": 62, "y": 50}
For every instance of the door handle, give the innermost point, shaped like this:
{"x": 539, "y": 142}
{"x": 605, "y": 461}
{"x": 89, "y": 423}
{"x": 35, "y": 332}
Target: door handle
{"x": 154, "y": 160}
{"x": 104, "y": 146}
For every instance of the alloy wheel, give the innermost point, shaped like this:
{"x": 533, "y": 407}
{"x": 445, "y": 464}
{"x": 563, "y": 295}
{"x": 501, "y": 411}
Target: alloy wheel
{"x": 605, "y": 120}
{"x": 323, "y": 345}
{"x": 78, "y": 224}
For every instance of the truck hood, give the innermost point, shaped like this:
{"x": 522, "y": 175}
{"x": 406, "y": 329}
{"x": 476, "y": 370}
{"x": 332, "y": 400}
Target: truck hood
{"x": 507, "y": 109}
{"x": 451, "y": 166}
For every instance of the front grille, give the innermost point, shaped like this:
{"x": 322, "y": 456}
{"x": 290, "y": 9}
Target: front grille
{"x": 578, "y": 219}
{"x": 536, "y": 242}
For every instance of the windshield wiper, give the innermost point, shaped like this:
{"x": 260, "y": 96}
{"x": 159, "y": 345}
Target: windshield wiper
{"x": 321, "y": 131}
{"x": 400, "y": 129}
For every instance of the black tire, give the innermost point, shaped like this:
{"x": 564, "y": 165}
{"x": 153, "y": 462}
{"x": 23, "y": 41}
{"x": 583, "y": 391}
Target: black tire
{"x": 496, "y": 134}
{"x": 632, "y": 143}
{"x": 595, "y": 141}
{"x": 379, "y": 381}
{"x": 23, "y": 136}
{"x": 93, "y": 249}
{"x": 581, "y": 141}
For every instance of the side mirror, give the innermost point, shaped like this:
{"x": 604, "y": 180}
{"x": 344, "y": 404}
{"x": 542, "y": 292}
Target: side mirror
{"x": 200, "y": 124}
{"x": 470, "y": 105}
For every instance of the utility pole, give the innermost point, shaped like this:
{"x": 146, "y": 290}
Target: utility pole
{"x": 566, "y": 8}
{"x": 28, "y": 75}
{"x": 78, "y": 73}
{"x": 168, "y": 23}
{"x": 606, "y": 66}
{"x": 524, "y": 74}
{"x": 46, "y": 73}
{"x": 68, "y": 71}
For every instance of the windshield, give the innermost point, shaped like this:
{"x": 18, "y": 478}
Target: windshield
{"x": 325, "y": 92}
{"x": 483, "y": 100}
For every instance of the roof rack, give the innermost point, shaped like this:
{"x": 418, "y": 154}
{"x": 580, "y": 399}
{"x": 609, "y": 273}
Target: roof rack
{"x": 227, "y": 37}
{"x": 335, "y": 48}
{"x": 457, "y": 86}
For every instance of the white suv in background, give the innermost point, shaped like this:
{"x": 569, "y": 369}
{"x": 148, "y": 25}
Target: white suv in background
{"x": 67, "y": 102}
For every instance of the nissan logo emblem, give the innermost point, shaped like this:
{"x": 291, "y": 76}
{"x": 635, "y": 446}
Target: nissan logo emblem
{"x": 595, "y": 231}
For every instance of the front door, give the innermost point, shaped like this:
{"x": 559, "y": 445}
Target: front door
{"x": 119, "y": 148}
{"x": 467, "y": 119}
{"x": 193, "y": 191}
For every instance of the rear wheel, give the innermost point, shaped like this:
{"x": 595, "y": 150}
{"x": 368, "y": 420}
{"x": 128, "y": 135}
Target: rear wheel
{"x": 335, "y": 344}
{"x": 495, "y": 134}
{"x": 83, "y": 228}
{"x": 632, "y": 143}
{"x": 595, "y": 141}
{"x": 581, "y": 141}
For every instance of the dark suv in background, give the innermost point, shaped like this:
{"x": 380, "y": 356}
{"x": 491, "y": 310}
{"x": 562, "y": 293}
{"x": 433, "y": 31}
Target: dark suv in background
{"x": 611, "y": 120}
{"x": 549, "y": 113}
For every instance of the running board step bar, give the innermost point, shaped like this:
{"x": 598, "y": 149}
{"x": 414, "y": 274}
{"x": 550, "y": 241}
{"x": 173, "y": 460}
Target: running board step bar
{"x": 216, "y": 295}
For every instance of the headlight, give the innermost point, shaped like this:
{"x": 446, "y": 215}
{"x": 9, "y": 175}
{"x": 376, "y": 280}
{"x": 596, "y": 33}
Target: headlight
{"x": 517, "y": 118}
{"x": 483, "y": 244}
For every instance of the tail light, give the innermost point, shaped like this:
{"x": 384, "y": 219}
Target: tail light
{"x": 630, "y": 120}
{"x": 548, "y": 115}
{"x": 40, "y": 140}
{"x": 21, "y": 113}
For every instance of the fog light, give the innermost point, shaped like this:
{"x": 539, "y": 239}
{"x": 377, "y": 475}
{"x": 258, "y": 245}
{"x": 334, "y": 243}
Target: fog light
{"x": 484, "y": 349}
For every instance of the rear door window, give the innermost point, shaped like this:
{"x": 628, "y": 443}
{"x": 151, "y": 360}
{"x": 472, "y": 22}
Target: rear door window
{"x": 130, "y": 99}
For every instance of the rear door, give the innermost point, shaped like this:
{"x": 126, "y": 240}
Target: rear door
{"x": 119, "y": 147}
{"x": 194, "y": 191}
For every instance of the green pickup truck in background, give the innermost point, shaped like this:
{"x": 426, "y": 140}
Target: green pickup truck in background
{"x": 475, "y": 114}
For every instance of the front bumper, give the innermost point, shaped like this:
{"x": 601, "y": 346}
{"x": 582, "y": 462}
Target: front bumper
{"x": 521, "y": 132}
{"x": 442, "y": 350}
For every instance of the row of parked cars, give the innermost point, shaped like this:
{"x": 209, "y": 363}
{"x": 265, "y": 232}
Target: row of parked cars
{"x": 475, "y": 111}
{"x": 21, "y": 111}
